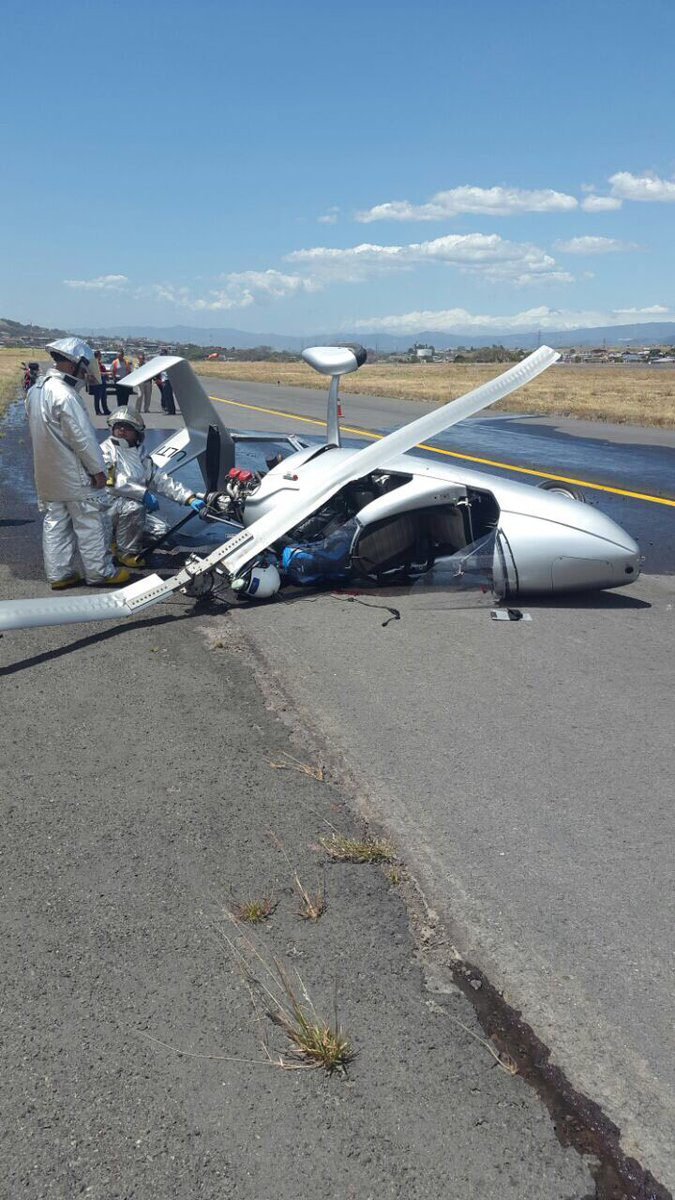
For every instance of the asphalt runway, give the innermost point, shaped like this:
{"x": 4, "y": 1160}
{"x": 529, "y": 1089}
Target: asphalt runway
{"x": 525, "y": 770}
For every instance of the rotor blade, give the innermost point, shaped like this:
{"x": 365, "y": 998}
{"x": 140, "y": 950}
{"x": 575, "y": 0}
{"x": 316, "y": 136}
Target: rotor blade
{"x": 70, "y": 610}
{"x": 239, "y": 551}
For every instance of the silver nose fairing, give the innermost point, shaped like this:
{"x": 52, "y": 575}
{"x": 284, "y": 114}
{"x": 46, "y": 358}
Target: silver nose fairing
{"x": 583, "y": 550}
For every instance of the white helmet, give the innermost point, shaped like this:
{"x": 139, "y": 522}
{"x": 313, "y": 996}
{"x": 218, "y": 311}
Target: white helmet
{"x": 260, "y": 582}
{"x": 80, "y": 354}
{"x": 71, "y": 347}
{"x": 127, "y": 416}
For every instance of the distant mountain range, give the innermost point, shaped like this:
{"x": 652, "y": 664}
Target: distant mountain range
{"x": 649, "y": 334}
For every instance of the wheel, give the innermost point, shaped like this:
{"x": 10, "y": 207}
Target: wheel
{"x": 563, "y": 489}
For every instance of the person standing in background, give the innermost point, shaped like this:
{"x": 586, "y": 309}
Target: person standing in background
{"x": 166, "y": 391}
{"x": 100, "y": 390}
{"x": 120, "y": 368}
{"x": 145, "y": 389}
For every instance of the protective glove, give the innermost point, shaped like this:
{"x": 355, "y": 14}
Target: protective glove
{"x": 197, "y": 504}
{"x": 151, "y": 502}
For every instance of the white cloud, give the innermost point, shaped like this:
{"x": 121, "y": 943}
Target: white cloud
{"x": 330, "y": 217}
{"x": 494, "y": 202}
{"x": 102, "y": 283}
{"x": 460, "y": 321}
{"x": 654, "y": 310}
{"x": 601, "y": 203}
{"x": 594, "y": 245}
{"x": 352, "y": 265}
{"x": 487, "y": 254}
{"x": 244, "y": 288}
{"x": 646, "y": 187}
{"x": 166, "y": 292}
{"x": 241, "y": 290}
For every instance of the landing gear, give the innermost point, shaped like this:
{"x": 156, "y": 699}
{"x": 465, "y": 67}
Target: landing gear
{"x": 563, "y": 489}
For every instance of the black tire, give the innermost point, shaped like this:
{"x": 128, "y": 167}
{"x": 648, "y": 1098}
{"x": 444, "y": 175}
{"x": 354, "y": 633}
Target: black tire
{"x": 563, "y": 489}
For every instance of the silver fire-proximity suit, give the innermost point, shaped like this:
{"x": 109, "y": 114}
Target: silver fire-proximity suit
{"x": 66, "y": 455}
{"x": 131, "y": 474}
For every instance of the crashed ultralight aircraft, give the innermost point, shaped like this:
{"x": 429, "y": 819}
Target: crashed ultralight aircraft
{"x": 402, "y": 512}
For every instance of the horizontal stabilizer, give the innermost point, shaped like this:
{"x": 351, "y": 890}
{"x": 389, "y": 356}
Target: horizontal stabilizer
{"x": 151, "y": 369}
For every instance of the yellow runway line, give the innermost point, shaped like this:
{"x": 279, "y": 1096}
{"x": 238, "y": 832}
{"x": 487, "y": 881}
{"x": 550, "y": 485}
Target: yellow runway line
{"x": 484, "y": 462}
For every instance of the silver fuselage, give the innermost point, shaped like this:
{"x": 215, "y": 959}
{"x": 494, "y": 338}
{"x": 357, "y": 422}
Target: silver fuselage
{"x": 546, "y": 541}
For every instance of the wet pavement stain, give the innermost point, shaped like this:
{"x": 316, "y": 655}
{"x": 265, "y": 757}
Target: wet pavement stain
{"x": 579, "y": 1122}
{"x": 548, "y": 448}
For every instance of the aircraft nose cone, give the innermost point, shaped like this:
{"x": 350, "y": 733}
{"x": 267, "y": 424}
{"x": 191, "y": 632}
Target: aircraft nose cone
{"x": 624, "y": 556}
{"x": 608, "y": 565}
{"x": 627, "y": 564}
{"x": 619, "y": 550}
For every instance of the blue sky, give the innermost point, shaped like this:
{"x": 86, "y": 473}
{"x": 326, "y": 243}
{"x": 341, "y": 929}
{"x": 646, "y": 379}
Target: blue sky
{"x": 307, "y": 167}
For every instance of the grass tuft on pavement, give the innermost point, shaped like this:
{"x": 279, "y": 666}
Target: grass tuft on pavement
{"x": 254, "y": 912}
{"x": 312, "y": 904}
{"x": 314, "y": 1042}
{"x": 366, "y": 850}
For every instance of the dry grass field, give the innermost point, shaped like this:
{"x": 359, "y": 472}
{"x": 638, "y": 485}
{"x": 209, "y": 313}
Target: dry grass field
{"x": 11, "y": 373}
{"x": 630, "y": 394}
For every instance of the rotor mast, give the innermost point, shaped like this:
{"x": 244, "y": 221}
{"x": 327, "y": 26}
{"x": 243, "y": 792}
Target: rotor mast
{"x": 333, "y": 413}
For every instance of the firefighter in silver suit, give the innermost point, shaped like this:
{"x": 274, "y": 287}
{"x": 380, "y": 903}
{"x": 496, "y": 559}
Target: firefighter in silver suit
{"x": 133, "y": 479}
{"x": 70, "y": 472}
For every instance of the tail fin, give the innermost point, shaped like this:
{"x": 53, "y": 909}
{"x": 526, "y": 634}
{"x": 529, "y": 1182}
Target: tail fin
{"x": 199, "y": 414}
